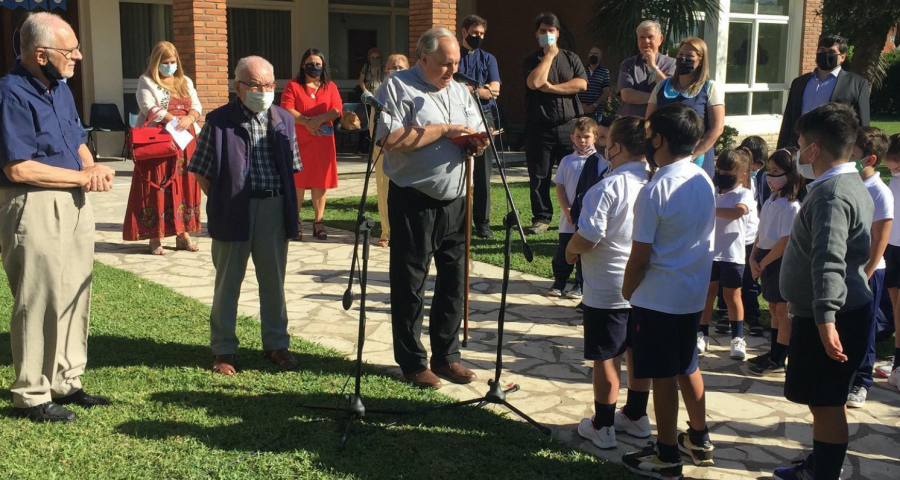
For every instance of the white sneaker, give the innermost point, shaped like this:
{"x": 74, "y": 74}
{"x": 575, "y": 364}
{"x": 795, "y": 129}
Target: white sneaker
{"x": 604, "y": 439}
{"x": 639, "y": 428}
{"x": 894, "y": 379}
{"x": 738, "y": 348}
{"x": 884, "y": 371}
{"x": 702, "y": 343}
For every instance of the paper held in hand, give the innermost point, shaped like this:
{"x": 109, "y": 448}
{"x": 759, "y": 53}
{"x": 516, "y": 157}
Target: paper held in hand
{"x": 183, "y": 137}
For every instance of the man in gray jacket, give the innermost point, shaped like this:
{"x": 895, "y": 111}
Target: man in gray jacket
{"x": 823, "y": 279}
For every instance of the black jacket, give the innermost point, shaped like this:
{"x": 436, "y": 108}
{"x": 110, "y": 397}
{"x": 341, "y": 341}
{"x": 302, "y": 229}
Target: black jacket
{"x": 851, "y": 89}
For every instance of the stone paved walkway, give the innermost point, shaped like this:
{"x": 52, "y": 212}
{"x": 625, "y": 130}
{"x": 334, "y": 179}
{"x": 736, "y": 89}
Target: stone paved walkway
{"x": 753, "y": 427}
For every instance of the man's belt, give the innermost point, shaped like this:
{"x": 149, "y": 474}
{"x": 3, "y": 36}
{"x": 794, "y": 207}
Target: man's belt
{"x": 265, "y": 193}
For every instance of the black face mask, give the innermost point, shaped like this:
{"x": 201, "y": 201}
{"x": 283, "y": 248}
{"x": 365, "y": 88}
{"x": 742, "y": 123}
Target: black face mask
{"x": 684, "y": 66}
{"x": 826, "y": 61}
{"x": 594, "y": 60}
{"x": 724, "y": 181}
{"x": 474, "y": 41}
{"x": 313, "y": 70}
{"x": 51, "y": 72}
{"x": 650, "y": 151}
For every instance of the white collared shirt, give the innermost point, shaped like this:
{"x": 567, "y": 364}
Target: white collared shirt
{"x": 676, "y": 214}
{"x": 842, "y": 169}
{"x": 607, "y": 219}
{"x": 730, "y": 245}
{"x": 884, "y": 204}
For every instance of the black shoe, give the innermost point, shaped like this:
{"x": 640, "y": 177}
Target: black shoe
{"x": 756, "y": 328}
{"x": 723, "y": 325}
{"x": 766, "y": 369}
{"x": 579, "y": 308}
{"x": 46, "y": 412}
{"x": 82, "y": 399}
{"x": 760, "y": 359}
{"x": 484, "y": 232}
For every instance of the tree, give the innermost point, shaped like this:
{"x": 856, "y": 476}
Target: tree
{"x": 614, "y": 21}
{"x": 866, "y": 25}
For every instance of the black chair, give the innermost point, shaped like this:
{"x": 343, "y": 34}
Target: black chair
{"x": 105, "y": 117}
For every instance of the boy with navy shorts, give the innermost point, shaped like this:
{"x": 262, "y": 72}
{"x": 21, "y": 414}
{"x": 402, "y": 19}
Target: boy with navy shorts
{"x": 824, "y": 281}
{"x": 666, "y": 280}
{"x": 603, "y": 243}
{"x": 870, "y": 149}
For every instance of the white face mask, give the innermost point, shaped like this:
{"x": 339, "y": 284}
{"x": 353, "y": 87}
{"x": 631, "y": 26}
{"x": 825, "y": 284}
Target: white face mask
{"x": 805, "y": 169}
{"x": 259, "y": 102}
{"x": 895, "y": 174}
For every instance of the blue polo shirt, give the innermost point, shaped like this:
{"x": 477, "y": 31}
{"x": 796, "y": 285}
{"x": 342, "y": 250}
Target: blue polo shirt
{"x": 480, "y": 66}
{"x": 37, "y": 123}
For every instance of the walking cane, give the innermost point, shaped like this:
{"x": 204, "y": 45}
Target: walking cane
{"x": 469, "y": 160}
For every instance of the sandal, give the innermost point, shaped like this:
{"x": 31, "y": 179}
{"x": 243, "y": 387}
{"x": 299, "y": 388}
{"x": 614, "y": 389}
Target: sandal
{"x": 156, "y": 248}
{"x": 282, "y": 358}
{"x": 299, "y": 237}
{"x": 320, "y": 234}
{"x": 186, "y": 244}
{"x": 223, "y": 364}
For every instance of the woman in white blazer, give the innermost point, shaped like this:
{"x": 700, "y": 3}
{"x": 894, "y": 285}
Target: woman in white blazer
{"x": 165, "y": 199}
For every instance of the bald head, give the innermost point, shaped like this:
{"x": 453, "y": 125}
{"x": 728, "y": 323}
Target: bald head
{"x": 49, "y": 47}
{"x": 254, "y": 69}
{"x": 439, "y": 55}
{"x": 41, "y": 30}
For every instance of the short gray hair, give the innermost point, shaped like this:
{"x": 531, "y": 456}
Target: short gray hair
{"x": 39, "y": 30}
{"x": 244, "y": 64}
{"x": 428, "y": 42}
{"x": 647, "y": 24}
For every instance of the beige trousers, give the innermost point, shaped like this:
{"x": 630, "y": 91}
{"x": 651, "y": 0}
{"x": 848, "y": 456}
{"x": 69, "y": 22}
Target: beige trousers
{"x": 47, "y": 242}
{"x": 382, "y": 184}
{"x": 268, "y": 245}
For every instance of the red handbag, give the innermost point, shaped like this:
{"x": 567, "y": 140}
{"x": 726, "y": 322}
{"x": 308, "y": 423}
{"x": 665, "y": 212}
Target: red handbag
{"x": 152, "y": 143}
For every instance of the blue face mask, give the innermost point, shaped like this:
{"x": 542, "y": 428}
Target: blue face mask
{"x": 753, "y": 173}
{"x": 168, "y": 69}
{"x": 546, "y": 39}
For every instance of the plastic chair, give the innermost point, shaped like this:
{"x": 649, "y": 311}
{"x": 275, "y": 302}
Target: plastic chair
{"x": 105, "y": 117}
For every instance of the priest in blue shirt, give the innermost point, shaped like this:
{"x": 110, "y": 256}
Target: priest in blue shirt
{"x": 46, "y": 222}
{"x": 482, "y": 67}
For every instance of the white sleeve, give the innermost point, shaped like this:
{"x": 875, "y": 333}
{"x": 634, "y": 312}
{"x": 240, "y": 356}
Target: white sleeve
{"x": 646, "y": 217}
{"x": 400, "y": 115}
{"x": 146, "y": 99}
{"x": 788, "y": 214}
{"x": 562, "y": 172}
{"x": 716, "y": 96}
{"x": 594, "y": 218}
{"x": 747, "y": 200}
{"x": 654, "y": 93}
{"x": 195, "y": 100}
{"x": 884, "y": 206}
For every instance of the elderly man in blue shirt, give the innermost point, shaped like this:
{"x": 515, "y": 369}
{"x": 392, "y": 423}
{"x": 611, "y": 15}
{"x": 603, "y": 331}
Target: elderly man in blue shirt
{"x": 46, "y": 222}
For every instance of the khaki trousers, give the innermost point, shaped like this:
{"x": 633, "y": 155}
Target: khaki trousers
{"x": 382, "y": 185}
{"x": 268, "y": 246}
{"x": 47, "y": 241}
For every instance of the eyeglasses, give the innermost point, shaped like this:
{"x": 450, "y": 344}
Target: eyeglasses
{"x": 65, "y": 52}
{"x": 259, "y": 87}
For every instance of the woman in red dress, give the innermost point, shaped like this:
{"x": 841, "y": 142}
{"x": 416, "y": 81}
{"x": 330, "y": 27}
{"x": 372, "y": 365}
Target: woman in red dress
{"x": 313, "y": 99}
{"x": 164, "y": 199}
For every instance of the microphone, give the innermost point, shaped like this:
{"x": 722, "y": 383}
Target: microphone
{"x": 370, "y": 100}
{"x": 463, "y": 78}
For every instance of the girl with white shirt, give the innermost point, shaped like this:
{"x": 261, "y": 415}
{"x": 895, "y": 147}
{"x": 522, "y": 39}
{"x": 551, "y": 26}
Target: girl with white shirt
{"x": 603, "y": 243}
{"x": 775, "y": 222}
{"x": 733, "y": 204}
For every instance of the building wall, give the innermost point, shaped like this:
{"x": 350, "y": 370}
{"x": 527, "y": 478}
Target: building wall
{"x": 812, "y": 30}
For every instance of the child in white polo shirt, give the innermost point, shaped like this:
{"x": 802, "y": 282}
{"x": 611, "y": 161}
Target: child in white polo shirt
{"x": 892, "y": 258}
{"x": 666, "y": 280}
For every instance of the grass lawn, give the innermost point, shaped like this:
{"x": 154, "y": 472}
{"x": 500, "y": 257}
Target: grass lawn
{"x": 172, "y": 418}
{"x": 889, "y": 125}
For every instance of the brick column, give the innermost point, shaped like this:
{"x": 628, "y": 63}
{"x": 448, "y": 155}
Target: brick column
{"x": 427, "y": 14}
{"x": 812, "y": 30}
{"x": 201, "y": 37}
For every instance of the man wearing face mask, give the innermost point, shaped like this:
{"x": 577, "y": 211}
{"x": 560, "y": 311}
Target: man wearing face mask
{"x": 554, "y": 78}
{"x": 245, "y": 162}
{"x": 46, "y": 223}
{"x": 597, "y": 93}
{"x": 427, "y": 204}
{"x": 827, "y": 83}
{"x": 481, "y": 66}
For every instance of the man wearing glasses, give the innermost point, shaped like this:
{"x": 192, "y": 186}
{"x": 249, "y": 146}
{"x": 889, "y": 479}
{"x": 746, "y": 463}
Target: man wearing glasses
{"x": 46, "y": 223}
{"x": 245, "y": 163}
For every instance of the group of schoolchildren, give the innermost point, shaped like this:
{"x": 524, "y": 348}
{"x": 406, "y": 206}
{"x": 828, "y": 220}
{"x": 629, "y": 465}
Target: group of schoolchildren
{"x": 655, "y": 241}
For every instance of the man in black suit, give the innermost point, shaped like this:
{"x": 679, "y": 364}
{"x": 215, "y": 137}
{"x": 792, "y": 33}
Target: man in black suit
{"x": 827, "y": 83}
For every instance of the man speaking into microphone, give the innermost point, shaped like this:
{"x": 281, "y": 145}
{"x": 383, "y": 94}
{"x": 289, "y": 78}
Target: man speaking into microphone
{"x": 425, "y": 109}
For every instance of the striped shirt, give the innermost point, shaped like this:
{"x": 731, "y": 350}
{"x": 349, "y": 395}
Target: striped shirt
{"x": 262, "y": 174}
{"x": 598, "y": 79}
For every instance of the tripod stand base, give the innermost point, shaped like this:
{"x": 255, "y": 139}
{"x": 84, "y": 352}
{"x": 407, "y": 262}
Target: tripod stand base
{"x": 357, "y": 410}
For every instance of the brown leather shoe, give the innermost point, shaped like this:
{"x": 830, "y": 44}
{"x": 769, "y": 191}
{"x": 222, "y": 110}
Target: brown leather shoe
{"x": 455, "y": 372}
{"x": 425, "y": 379}
{"x": 223, "y": 364}
{"x": 283, "y": 358}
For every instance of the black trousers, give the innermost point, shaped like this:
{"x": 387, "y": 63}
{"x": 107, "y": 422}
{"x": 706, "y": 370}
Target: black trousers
{"x": 423, "y": 229}
{"x": 545, "y": 146}
{"x": 481, "y": 181}
{"x": 563, "y": 269}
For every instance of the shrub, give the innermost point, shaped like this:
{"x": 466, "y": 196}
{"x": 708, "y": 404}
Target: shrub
{"x": 728, "y": 139}
{"x": 886, "y": 100}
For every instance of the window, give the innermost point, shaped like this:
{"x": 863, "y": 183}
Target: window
{"x": 266, "y": 33}
{"x": 143, "y": 25}
{"x": 355, "y": 26}
{"x": 757, "y": 57}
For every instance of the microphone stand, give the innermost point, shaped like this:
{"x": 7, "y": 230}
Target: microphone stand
{"x": 496, "y": 393}
{"x": 364, "y": 225}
